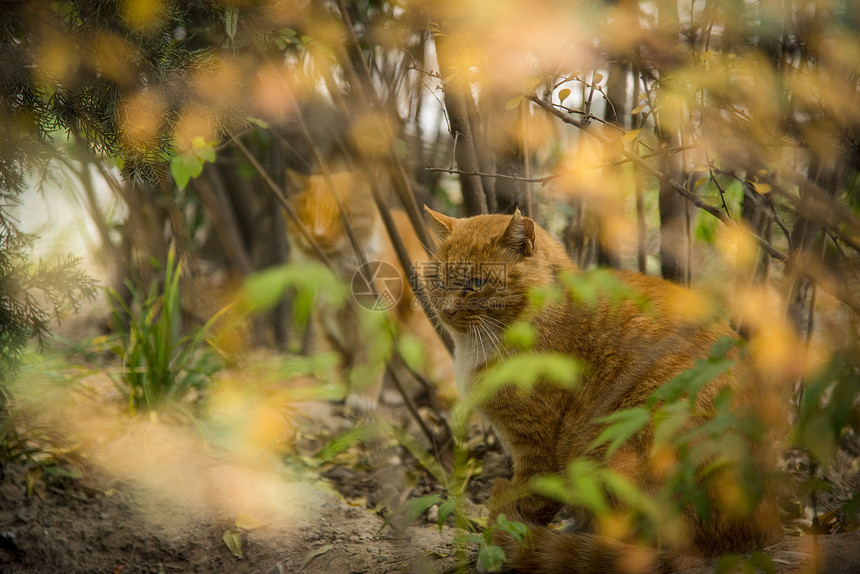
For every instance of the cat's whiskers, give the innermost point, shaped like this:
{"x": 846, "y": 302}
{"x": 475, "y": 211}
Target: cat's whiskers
{"x": 475, "y": 328}
{"x": 502, "y": 351}
{"x": 431, "y": 252}
{"x": 493, "y": 321}
{"x": 493, "y": 337}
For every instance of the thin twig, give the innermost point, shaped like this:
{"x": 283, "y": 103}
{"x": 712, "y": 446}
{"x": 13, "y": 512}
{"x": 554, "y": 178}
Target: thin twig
{"x": 721, "y": 190}
{"x": 322, "y": 257}
{"x": 651, "y": 170}
{"x": 501, "y": 175}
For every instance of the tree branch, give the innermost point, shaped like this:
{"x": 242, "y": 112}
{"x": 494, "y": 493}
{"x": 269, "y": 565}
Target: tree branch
{"x": 650, "y": 170}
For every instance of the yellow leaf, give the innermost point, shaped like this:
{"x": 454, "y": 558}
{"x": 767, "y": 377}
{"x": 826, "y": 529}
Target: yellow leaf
{"x": 35, "y": 484}
{"x": 761, "y": 188}
{"x": 638, "y": 109}
{"x": 314, "y": 553}
{"x": 246, "y": 522}
{"x": 562, "y": 95}
{"x": 630, "y": 136}
{"x": 233, "y": 540}
{"x": 513, "y": 103}
{"x": 359, "y": 502}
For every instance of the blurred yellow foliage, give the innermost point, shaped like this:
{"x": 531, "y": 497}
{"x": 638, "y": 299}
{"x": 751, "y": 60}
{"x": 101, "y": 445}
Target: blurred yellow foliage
{"x": 144, "y": 15}
{"x": 142, "y": 118}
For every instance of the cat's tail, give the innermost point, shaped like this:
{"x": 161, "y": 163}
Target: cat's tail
{"x": 548, "y": 551}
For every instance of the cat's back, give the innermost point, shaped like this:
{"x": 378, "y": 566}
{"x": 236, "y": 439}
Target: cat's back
{"x": 633, "y": 341}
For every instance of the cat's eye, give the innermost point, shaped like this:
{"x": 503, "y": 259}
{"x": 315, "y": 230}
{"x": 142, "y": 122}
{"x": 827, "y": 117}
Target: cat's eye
{"x": 475, "y": 283}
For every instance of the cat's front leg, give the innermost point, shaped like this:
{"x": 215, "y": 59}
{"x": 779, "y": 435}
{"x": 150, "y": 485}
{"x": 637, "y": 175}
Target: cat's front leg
{"x": 537, "y": 509}
{"x": 527, "y": 463}
{"x": 517, "y": 502}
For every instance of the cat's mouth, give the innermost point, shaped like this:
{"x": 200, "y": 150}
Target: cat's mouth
{"x": 466, "y": 324}
{"x": 453, "y": 319}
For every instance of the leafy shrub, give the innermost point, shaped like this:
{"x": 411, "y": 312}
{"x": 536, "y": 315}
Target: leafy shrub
{"x": 31, "y": 298}
{"x": 160, "y": 362}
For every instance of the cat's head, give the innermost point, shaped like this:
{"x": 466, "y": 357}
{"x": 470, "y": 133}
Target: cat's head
{"x": 484, "y": 267}
{"x": 316, "y": 206}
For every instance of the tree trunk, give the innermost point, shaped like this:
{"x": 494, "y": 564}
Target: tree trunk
{"x": 474, "y": 198}
{"x": 674, "y": 220}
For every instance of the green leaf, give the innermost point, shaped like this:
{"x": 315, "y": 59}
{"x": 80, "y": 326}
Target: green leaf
{"x": 410, "y": 510}
{"x": 622, "y": 425}
{"x": 762, "y": 562}
{"x": 814, "y": 485}
{"x": 691, "y": 381}
{"x": 553, "y": 487}
{"x": 415, "y": 507}
{"x": 427, "y": 460}
{"x": 491, "y": 557}
{"x": 589, "y": 491}
{"x": 629, "y": 493}
{"x": 524, "y": 370}
{"x": 257, "y": 121}
{"x": 412, "y": 351}
{"x": 668, "y": 421}
{"x": 343, "y": 442}
{"x": 445, "y": 510}
{"x": 712, "y": 428}
{"x": 851, "y": 507}
{"x": 263, "y": 290}
{"x": 180, "y": 172}
{"x": 516, "y": 529}
{"x": 722, "y": 346}
{"x": 206, "y": 153}
{"x": 184, "y": 167}
{"x": 67, "y": 473}
{"x": 583, "y": 486}
{"x": 521, "y": 335}
{"x": 727, "y": 564}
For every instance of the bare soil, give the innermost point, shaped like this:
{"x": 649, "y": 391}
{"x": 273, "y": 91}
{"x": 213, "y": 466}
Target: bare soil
{"x": 103, "y": 492}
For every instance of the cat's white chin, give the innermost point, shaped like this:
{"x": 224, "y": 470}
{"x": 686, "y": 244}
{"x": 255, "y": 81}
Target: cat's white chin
{"x": 469, "y": 355}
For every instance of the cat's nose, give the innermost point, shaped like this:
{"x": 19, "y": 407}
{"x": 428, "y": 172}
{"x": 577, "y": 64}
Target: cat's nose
{"x": 450, "y": 312}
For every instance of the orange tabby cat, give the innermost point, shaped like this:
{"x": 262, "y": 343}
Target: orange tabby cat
{"x": 628, "y": 352}
{"x": 317, "y": 208}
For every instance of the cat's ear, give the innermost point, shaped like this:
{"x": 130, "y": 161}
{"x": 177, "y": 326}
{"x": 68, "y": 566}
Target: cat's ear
{"x": 296, "y": 181}
{"x": 519, "y": 236}
{"x": 441, "y": 224}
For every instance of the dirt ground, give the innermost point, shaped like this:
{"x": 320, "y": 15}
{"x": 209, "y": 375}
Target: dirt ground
{"x": 175, "y": 507}
{"x": 108, "y": 493}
